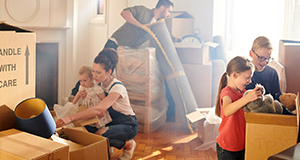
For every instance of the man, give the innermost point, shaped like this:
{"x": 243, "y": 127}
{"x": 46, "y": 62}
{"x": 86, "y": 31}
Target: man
{"x": 132, "y": 33}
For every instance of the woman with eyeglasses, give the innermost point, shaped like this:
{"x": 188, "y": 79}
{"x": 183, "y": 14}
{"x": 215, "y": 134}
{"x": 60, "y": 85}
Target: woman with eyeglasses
{"x": 264, "y": 74}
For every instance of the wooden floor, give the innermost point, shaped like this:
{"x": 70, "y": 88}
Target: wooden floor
{"x": 170, "y": 142}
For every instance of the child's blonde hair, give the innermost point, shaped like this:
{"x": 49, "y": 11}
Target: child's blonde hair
{"x": 86, "y": 69}
{"x": 238, "y": 64}
{"x": 261, "y": 42}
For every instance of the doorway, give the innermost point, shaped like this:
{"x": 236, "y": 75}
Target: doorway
{"x": 47, "y": 73}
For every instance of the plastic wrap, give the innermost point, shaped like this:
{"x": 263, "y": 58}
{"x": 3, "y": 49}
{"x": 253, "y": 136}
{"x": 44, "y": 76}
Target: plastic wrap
{"x": 139, "y": 71}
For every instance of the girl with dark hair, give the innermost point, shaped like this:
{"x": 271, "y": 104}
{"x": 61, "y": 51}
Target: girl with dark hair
{"x": 124, "y": 126}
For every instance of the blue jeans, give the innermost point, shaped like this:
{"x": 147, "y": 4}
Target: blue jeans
{"x": 228, "y": 155}
{"x": 121, "y": 129}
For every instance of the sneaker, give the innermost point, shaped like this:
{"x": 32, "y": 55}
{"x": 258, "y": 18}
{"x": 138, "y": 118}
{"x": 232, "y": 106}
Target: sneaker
{"x": 127, "y": 154}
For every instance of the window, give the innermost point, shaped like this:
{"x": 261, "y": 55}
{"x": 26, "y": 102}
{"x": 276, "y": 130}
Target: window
{"x": 98, "y": 11}
{"x": 100, "y": 7}
{"x": 246, "y": 20}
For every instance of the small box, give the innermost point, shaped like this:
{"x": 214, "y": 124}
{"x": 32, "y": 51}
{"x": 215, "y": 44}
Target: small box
{"x": 268, "y": 134}
{"x": 17, "y": 64}
{"x": 21, "y": 145}
{"x": 180, "y": 24}
{"x": 84, "y": 145}
{"x": 201, "y": 133}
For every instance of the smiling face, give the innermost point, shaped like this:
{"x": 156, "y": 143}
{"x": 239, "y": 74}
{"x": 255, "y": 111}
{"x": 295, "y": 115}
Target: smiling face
{"x": 99, "y": 73}
{"x": 85, "y": 80}
{"x": 242, "y": 79}
{"x": 263, "y": 53}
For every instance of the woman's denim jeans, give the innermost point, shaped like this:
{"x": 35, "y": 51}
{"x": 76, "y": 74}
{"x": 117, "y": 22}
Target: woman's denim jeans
{"x": 121, "y": 129}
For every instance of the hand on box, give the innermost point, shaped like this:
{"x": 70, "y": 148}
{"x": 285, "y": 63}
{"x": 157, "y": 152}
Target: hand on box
{"x": 63, "y": 121}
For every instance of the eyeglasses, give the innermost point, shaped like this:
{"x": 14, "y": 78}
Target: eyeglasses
{"x": 261, "y": 59}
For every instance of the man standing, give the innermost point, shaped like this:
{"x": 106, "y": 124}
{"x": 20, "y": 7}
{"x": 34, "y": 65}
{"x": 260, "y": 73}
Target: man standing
{"x": 131, "y": 33}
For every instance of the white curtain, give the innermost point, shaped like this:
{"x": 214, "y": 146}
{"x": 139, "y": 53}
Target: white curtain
{"x": 247, "y": 19}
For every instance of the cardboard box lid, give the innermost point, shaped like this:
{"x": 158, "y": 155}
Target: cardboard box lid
{"x": 57, "y": 150}
{"x": 10, "y": 149}
{"x": 7, "y": 27}
{"x": 85, "y": 121}
{"x": 289, "y": 41}
{"x": 76, "y": 136}
{"x": 94, "y": 146}
{"x": 7, "y": 118}
{"x": 180, "y": 14}
{"x": 268, "y": 118}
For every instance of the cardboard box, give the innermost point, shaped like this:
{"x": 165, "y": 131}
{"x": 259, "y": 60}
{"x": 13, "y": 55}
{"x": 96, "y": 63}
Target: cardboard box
{"x": 201, "y": 91}
{"x": 84, "y": 145}
{"x": 17, "y": 64}
{"x": 180, "y": 24}
{"x": 194, "y": 53}
{"x": 267, "y": 134}
{"x": 289, "y": 57}
{"x": 18, "y": 145}
{"x": 201, "y": 133}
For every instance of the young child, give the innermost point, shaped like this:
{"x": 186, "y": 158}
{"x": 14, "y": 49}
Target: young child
{"x": 264, "y": 74}
{"x": 92, "y": 94}
{"x": 230, "y": 100}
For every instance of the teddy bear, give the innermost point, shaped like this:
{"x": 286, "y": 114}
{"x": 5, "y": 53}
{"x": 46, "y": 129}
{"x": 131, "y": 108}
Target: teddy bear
{"x": 288, "y": 100}
{"x": 265, "y": 104}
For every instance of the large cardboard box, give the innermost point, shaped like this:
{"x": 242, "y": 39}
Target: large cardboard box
{"x": 194, "y": 53}
{"x": 289, "y": 56}
{"x": 267, "y": 134}
{"x": 18, "y": 145}
{"x": 84, "y": 145}
{"x": 17, "y": 64}
{"x": 202, "y": 90}
{"x": 180, "y": 24}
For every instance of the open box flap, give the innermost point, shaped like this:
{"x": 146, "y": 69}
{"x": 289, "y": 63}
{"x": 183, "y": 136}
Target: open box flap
{"x": 180, "y": 14}
{"x": 7, "y": 27}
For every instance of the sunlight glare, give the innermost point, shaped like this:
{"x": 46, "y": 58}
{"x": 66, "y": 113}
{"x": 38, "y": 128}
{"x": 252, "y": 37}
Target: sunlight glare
{"x": 167, "y": 148}
{"x": 155, "y": 153}
{"x": 186, "y": 139}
